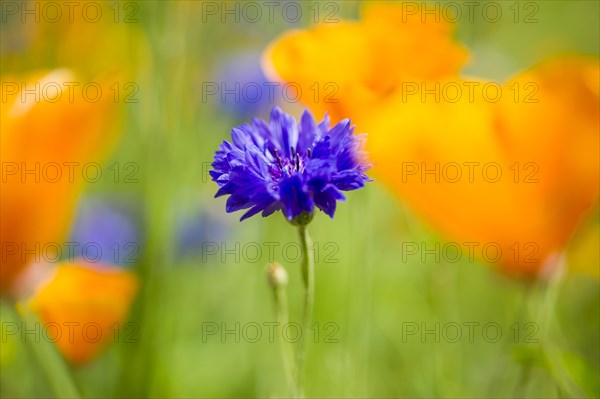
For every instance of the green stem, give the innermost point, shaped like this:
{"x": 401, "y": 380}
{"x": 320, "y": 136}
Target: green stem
{"x": 541, "y": 299}
{"x": 523, "y": 316}
{"x": 308, "y": 275}
{"x": 49, "y": 359}
{"x": 287, "y": 353}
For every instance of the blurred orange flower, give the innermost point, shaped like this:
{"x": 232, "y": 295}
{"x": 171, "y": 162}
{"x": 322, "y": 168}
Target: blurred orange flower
{"x": 50, "y": 135}
{"x": 544, "y": 140}
{"x": 82, "y": 305}
{"x": 89, "y": 36}
{"x": 346, "y": 67}
{"x": 529, "y": 170}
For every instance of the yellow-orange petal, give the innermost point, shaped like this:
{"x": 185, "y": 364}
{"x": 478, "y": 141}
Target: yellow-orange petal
{"x": 86, "y": 304}
{"x": 345, "y": 67}
{"x": 47, "y": 136}
{"x": 553, "y": 141}
{"x": 547, "y": 152}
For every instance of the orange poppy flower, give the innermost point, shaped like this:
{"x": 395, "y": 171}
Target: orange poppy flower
{"x": 49, "y": 139}
{"x": 515, "y": 178}
{"x": 542, "y": 140}
{"x": 54, "y": 139}
{"x": 83, "y": 306}
{"x": 345, "y": 67}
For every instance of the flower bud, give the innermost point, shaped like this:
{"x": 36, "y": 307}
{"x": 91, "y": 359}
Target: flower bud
{"x": 276, "y": 275}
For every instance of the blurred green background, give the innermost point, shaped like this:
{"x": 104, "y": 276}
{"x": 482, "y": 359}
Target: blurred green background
{"x": 365, "y": 288}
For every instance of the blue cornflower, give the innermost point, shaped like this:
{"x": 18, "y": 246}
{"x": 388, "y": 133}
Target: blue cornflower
{"x": 289, "y": 166}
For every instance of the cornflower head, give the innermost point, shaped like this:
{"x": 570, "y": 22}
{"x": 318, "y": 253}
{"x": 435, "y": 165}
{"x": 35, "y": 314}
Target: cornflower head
{"x": 289, "y": 166}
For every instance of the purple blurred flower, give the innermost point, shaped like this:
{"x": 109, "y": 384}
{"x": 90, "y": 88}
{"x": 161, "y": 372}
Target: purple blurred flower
{"x": 289, "y": 166}
{"x": 105, "y": 232}
{"x": 195, "y": 231}
{"x": 243, "y": 90}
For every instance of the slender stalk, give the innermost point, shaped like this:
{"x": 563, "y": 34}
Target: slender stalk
{"x": 523, "y": 316}
{"x": 308, "y": 275}
{"x": 287, "y": 352}
{"x": 51, "y": 363}
{"x": 540, "y": 305}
